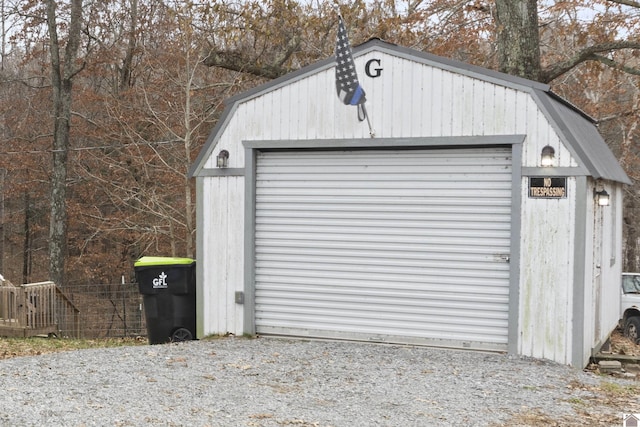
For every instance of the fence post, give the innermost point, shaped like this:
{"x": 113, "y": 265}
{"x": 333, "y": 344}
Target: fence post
{"x": 124, "y": 307}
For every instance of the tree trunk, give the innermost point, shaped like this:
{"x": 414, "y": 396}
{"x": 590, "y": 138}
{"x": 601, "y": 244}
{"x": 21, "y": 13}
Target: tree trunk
{"x": 631, "y": 234}
{"x": 26, "y": 254}
{"x": 518, "y": 38}
{"x": 188, "y": 208}
{"x": 125, "y": 72}
{"x": 3, "y": 176}
{"x": 62, "y": 73}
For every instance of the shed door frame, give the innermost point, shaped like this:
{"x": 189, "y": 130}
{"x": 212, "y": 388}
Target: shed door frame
{"x": 513, "y": 141}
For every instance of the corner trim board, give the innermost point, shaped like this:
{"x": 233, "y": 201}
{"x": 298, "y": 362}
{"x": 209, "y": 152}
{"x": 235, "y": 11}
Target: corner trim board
{"x": 249, "y": 318}
{"x": 579, "y": 274}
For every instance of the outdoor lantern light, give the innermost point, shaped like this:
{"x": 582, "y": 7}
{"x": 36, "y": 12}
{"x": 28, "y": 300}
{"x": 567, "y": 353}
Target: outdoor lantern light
{"x": 223, "y": 159}
{"x": 602, "y": 197}
{"x": 548, "y": 155}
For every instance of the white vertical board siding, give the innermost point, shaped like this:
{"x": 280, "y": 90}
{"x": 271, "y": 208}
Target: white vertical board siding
{"x": 223, "y": 247}
{"x": 602, "y": 285}
{"x": 404, "y": 246}
{"x": 616, "y": 256}
{"x": 409, "y": 99}
{"x": 547, "y": 258}
{"x": 611, "y": 267}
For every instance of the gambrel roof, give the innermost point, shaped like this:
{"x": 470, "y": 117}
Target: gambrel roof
{"x": 576, "y": 130}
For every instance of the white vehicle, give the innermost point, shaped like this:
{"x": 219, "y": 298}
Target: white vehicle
{"x": 630, "y": 306}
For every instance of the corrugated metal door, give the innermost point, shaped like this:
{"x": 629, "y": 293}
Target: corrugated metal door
{"x": 408, "y": 246}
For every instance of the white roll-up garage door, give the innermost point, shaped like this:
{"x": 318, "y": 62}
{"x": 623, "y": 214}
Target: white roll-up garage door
{"x": 407, "y": 246}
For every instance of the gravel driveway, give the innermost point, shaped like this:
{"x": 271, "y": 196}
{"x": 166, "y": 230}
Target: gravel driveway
{"x": 284, "y": 382}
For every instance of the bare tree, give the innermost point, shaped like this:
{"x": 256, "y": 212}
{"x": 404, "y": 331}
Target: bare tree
{"x": 63, "y": 70}
{"x": 126, "y": 71}
{"x": 518, "y": 38}
{"x": 144, "y": 101}
{"x": 152, "y": 129}
{"x": 518, "y": 44}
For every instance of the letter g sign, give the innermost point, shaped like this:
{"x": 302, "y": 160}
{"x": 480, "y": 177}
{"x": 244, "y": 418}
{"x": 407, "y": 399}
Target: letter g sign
{"x": 376, "y": 71}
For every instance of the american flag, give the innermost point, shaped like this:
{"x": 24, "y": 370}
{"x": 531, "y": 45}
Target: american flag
{"x": 349, "y": 90}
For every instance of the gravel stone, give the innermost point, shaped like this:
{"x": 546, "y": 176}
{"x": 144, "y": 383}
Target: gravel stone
{"x": 281, "y": 382}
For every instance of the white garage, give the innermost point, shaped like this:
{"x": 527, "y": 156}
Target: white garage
{"x": 439, "y": 225}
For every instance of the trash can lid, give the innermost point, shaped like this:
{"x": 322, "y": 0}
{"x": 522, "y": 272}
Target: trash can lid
{"x": 160, "y": 260}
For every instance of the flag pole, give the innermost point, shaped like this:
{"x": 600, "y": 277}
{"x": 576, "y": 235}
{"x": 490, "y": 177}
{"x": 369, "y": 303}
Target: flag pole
{"x": 372, "y": 132}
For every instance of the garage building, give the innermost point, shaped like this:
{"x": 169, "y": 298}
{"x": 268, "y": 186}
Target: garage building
{"x": 471, "y": 213}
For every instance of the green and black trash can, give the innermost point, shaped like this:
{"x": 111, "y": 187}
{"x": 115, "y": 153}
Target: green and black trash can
{"x": 168, "y": 287}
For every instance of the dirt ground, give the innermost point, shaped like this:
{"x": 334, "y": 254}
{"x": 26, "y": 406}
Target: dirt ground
{"x": 606, "y": 403}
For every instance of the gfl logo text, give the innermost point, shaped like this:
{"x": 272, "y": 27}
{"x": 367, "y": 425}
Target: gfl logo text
{"x": 160, "y": 281}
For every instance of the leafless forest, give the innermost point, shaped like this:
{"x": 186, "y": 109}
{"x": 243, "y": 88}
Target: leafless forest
{"x": 105, "y": 104}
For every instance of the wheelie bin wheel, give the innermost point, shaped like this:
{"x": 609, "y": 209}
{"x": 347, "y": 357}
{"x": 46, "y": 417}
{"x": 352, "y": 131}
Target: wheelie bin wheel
{"x": 181, "y": 334}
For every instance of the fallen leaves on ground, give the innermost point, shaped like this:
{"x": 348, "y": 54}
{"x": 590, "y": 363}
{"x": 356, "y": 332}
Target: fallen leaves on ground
{"x": 623, "y": 345}
{"x": 36, "y": 346}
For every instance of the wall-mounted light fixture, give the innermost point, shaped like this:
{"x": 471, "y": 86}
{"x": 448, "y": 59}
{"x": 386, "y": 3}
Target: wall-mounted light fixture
{"x": 223, "y": 159}
{"x": 602, "y": 197}
{"x": 547, "y": 157}
{"x": 600, "y": 194}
